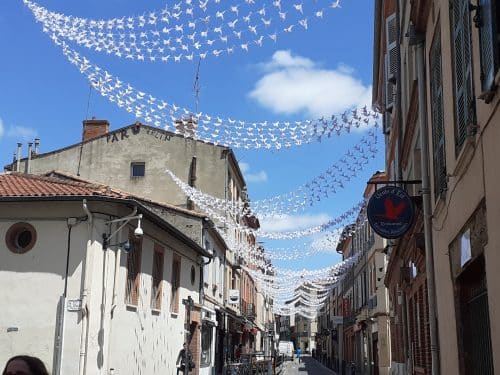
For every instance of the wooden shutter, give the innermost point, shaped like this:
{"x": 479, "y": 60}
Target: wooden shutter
{"x": 134, "y": 258}
{"x": 487, "y": 37}
{"x": 465, "y": 116}
{"x": 438, "y": 139}
{"x": 176, "y": 278}
{"x": 391, "y": 60}
{"x": 157, "y": 277}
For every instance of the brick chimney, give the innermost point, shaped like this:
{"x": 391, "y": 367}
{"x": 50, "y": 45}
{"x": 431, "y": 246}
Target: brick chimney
{"x": 186, "y": 127}
{"x": 94, "y": 128}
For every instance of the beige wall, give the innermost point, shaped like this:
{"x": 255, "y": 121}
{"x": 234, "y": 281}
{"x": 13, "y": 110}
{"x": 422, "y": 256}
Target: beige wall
{"x": 136, "y": 340}
{"x": 107, "y": 161}
{"x": 472, "y": 177}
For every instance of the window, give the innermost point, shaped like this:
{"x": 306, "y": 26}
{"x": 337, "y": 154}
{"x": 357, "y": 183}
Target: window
{"x": 465, "y": 116}
{"x": 206, "y": 267}
{"x": 206, "y": 345}
{"x": 193, "y": 275}
{"x": 133, "y": 271}
{"x": 436, "y": 79}
{"x": 157, "y": 277}
{"x": 137, "y": 169}
{"x": 20, "y": 238}
{"x": 176, "y": 278}
{"x": 487, "y": 20}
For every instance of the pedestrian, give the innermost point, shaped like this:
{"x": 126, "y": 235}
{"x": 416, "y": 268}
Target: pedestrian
{"x": 184, "y": 361}
{"x": 24, "y": 365}
{"x": 298, "y": 352}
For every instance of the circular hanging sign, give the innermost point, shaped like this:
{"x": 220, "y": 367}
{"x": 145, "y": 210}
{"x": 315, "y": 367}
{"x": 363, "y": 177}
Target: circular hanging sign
{"x": 390, "y": 212}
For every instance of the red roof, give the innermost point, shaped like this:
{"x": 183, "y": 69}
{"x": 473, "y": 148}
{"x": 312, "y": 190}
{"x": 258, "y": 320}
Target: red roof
{"x": 24, "y": 185}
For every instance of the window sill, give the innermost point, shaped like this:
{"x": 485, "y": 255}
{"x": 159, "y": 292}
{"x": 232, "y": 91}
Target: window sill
{"x": 156, "y": 311}
{"x": 174, "y": 314}
{"x": 130, "y": 307}
{"x": 464, "y": 156}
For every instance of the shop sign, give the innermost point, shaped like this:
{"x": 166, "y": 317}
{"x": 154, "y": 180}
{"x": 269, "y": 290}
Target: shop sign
{"x": 234, "y": 296}
{"x": 390, "y": 212}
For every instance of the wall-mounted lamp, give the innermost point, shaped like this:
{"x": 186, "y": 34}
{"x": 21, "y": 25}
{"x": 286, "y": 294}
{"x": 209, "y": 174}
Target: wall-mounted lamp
{"x": 138, "y": 232}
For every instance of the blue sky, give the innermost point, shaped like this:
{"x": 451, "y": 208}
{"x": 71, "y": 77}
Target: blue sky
{"x": 307, "y": 74}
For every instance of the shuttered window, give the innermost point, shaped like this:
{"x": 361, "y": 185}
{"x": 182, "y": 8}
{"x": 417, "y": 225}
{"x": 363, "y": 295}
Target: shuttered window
{"x": 134, "y": 258}
{"x": 175, "y": 283}
{"x": 438, "y": 141}
{"x": 391, "y": 61}
{"x": 157, "y": 277}
{"x": 465, "y": 117}
{"x": 486, "y": 18}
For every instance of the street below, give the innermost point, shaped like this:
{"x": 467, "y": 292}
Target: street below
{"x": 307, "y": 365}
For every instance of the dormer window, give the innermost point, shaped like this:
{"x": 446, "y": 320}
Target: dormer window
{"x": 137, "y": 169}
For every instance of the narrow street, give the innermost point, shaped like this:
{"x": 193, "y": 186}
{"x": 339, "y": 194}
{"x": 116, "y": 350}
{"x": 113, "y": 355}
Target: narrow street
{"x": 308, "y": 365}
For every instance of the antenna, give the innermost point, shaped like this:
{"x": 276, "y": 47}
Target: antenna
{"x": 196, "y": 86}
{"x": 88, "y": 103}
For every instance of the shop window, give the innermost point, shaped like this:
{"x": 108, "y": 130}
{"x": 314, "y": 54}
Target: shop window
{"x": 206, "y": 345}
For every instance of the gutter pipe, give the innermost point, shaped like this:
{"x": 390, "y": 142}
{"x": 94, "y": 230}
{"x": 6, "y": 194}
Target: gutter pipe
{"x": 86, "y": 292}
{"x": 426, "y": 198}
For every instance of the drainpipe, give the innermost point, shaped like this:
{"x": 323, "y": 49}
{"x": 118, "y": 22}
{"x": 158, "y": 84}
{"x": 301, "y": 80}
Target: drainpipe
{"x": 28, "y": 165}
{"x": 19, "y": 150}
{"x": 115, "y": 293}
{"x": 86, "y": 292}
{"x": 426, "y": 198}
{"x": 404, "y": 301}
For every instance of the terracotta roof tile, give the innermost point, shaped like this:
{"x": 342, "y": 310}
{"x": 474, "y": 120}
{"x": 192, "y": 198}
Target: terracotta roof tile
{"x": 25, "y": 185}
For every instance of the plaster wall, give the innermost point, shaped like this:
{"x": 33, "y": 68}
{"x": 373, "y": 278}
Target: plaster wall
{"x": 127, "y": 339}
{"x": 473, "y": 176}
{"x": 107, "y": 160}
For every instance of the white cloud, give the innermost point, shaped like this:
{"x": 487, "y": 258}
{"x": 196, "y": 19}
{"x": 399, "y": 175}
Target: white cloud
{"x": 294, "y": 84}
{"x": 286, "y": 223}
{"x": 1, "y": 128}
{"x": 22, "y": 133}
{"x": 252, "y": 177}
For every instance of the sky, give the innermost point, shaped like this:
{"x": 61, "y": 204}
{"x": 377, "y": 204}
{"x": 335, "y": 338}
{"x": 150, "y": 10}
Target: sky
{"x": 306, "y": 74}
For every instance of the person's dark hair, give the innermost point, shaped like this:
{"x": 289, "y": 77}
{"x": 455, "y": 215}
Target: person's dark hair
{"x": 35, "y": 365}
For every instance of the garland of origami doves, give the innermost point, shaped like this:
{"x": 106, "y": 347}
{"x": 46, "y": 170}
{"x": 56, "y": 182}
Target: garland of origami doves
{"x": 185, "y": 31}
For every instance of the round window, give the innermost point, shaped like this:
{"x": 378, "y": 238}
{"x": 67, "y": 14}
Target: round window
{"x": 20, "y": 238}
{"x": 193, "y": 275}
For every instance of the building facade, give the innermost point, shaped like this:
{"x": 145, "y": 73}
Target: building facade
{"x": 135, "y": 159}
{"x": 89, "y": 285}
{"x": 436, "y": 70}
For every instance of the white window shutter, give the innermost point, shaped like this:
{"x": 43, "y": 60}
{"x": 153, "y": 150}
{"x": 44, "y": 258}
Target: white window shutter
{"x": 390, "y": 89}
{"x": 391, "y": 33}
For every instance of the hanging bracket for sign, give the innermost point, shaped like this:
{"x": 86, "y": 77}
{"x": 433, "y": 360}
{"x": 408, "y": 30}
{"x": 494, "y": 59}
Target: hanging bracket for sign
{"x": 394, "y": 182}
